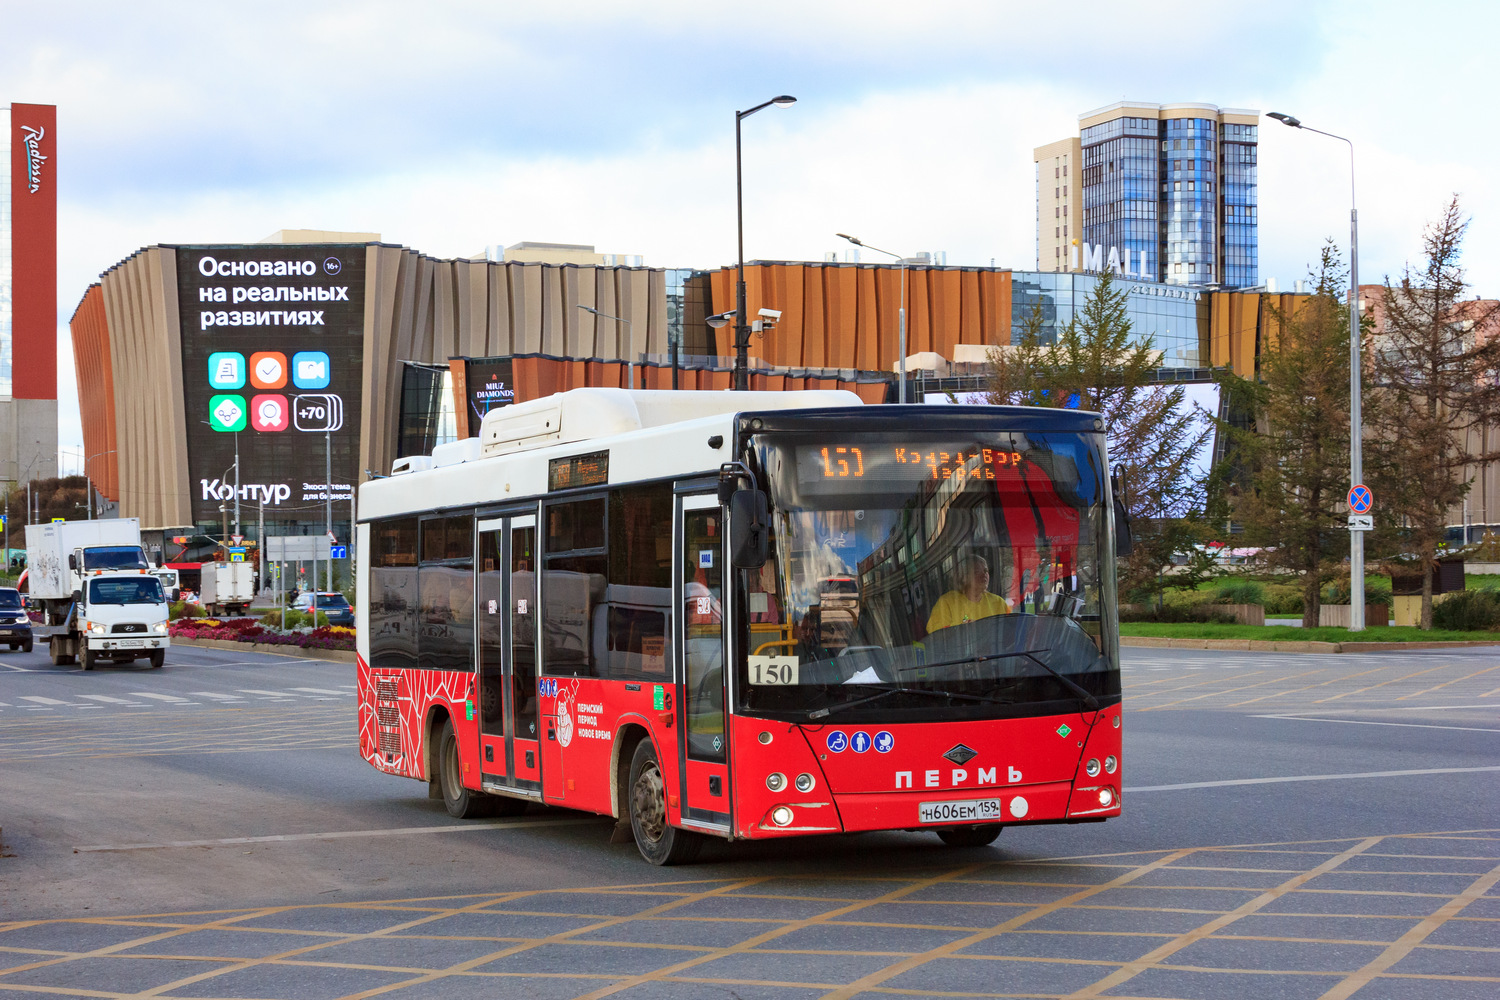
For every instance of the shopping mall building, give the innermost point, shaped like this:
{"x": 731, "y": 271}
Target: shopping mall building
{"x": 260, "y": 383}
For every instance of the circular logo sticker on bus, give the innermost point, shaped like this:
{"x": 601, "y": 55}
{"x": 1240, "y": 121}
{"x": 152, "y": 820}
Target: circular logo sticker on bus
{"x": 860, "y": 742}
{"x": 884, "y": 742}
{"x": 838, "y": 742}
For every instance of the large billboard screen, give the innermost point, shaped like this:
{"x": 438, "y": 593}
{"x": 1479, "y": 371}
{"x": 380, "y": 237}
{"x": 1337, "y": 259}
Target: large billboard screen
{"x": 488, "y": 383}
{"x": 272, "y": 356}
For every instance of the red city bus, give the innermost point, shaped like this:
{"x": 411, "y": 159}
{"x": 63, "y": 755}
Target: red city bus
{"x": 749, "y": 615}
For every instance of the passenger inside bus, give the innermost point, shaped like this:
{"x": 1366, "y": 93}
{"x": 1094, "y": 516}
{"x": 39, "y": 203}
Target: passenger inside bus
{"x": 970, "y": 600}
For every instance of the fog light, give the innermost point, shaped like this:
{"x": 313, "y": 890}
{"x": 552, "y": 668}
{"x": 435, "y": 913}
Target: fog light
{"x": 764, "y": 737}
{"x": 805, "y": 782}
{"x": 1110, "y": 764}
{"x": 1092, "y": 767}
{"x": 775, "y": 781}
{"x": 1106, "y": 797}
{"x": 781, "y": 816}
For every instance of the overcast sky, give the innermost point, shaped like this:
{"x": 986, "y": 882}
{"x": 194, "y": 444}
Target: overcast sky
{"x": 451, "y": 126}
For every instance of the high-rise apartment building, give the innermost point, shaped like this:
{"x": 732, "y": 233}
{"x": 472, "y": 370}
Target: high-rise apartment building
{"x": 1165, "y": 192}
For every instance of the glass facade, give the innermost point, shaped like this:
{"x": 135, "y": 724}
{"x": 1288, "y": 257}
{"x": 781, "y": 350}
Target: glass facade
{"x": 1176, "y": 196}
{"x": 1240, "y": 254}
{"x": 7, "y": 312}
{"x": 1120, "y": 204}
{"x": 1176, "y": 319}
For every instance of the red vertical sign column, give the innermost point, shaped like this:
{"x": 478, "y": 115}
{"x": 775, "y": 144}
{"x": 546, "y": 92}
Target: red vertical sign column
{"x": 33, "y": 204}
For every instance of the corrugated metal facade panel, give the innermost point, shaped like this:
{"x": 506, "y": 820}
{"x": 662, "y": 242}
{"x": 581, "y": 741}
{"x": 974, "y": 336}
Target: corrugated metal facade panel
{"x": 96, "y": 391}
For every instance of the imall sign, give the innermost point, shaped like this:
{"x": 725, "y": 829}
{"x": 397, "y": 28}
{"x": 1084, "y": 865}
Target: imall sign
{"x": 1089, "y": 257}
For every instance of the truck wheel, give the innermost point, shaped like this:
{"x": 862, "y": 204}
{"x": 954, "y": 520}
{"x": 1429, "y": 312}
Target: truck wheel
{"x": 58, "y": 659}
{"x": 86, "y": 658}
{"x": 658, "y": 841}
{"x": 158, "y": 657}
{"x": 970, "y": 836}
{"x": 15, "y": 646}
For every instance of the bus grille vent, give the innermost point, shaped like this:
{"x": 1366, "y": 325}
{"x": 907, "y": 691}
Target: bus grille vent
{"x": 387, "y": 718}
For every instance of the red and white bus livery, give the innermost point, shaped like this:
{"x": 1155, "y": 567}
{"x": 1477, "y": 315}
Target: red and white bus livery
{"x": 749, "y": 615}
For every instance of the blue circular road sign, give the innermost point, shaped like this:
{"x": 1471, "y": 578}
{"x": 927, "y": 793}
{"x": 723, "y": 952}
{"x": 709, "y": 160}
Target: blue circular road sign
{"x": 1361, "y": 499}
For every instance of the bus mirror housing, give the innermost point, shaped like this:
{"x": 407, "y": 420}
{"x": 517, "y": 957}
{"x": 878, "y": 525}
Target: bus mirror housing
{"x": 1124, "y": 539}
{"x": 749, "y": 529}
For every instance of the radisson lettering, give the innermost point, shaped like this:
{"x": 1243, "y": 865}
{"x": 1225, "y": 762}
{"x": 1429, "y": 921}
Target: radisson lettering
{"x": 34, "y": 157}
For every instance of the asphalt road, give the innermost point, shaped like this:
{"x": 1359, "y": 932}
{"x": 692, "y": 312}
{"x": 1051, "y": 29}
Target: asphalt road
{"x": 1295, "y": 826}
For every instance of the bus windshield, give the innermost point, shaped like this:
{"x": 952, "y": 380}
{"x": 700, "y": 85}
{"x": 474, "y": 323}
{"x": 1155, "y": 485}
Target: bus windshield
{"x": 921, "y": 576}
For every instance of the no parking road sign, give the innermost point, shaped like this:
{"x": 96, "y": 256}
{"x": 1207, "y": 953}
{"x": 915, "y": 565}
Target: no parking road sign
{"x": 1361, "y": 499}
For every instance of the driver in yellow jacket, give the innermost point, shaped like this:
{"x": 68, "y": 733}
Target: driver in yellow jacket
{"x": 970, "y": 600}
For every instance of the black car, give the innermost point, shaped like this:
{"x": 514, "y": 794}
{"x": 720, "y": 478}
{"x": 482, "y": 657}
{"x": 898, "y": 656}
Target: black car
{"x": 15, "y": 626}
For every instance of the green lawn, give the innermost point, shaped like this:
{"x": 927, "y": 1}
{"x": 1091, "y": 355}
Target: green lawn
{"x": 1291, "y": 633}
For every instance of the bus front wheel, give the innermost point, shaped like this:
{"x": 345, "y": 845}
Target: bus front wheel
{"x": 658, "y": 841}
{"x": 970, "y": 836}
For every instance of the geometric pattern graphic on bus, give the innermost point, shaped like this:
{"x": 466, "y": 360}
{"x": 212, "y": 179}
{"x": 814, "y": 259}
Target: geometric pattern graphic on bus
{"x": 391, "y": 724}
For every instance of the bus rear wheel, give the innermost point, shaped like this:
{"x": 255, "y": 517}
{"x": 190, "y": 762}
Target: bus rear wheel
{"x": 970, "y": 836}
{"x": 658, "y": 841}
{"x": 461, "y": 802}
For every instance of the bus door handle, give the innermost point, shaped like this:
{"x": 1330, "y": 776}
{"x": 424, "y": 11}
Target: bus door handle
{"x": 551, "y": 730}
{"x": 666, "y": 719}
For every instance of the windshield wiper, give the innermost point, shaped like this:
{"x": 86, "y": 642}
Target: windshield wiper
{"x": 1030, "y": 654}
{"x": 885, "y": 692}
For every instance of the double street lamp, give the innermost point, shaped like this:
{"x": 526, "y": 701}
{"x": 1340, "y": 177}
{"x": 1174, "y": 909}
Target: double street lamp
{"x": 901, "y": 392}
{"x": 741, "y": 327}
{"x": 1356, "y": 432}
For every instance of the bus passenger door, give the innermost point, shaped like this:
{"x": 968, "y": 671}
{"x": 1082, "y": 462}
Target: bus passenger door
{"x": 703, "y": 740}
{"x": 506, "y": 596}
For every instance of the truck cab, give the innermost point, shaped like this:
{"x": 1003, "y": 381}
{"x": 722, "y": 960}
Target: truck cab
{"x": 119, "y": 616}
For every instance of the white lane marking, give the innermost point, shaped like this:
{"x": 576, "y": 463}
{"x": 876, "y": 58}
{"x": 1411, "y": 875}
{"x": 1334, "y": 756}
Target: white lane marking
{"x": 341, "y": 694}
{"x": 1369, "y": 722}
{"x": 19, "y": 670}
{"x": 266, "y": 694}
{"x": 216, "y": 696}
{"x": 110, "y": 700}
{"x": 170, "y": 699}
{"x": 1310, "y": 777}
{"x": 344, "y": 834}
{"x": 46, "y": 701}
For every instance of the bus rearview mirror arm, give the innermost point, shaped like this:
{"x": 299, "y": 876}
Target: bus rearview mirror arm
{"x": 1124, "y": 538}
{"x": 749, "y": 529}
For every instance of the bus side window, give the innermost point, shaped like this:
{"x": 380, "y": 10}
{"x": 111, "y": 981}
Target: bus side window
{"x": 393, "y": 594}
{"x": 630, "y": 630}
{"x": 446, "y": 613}
{"x": 573, "y": 584}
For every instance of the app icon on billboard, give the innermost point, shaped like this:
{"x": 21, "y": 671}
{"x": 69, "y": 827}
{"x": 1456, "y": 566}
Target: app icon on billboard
{"x": 268, "y": 370}
{"x": 270, "y": 413}
{"x": 227, "y": 413}
{"x": 226, "y": 370}
{"x": 322, "y": 411}
{"x": 310, "y": 370}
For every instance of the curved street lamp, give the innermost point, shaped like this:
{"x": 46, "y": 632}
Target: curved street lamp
{"x": 901, "y": 390}
{"x": 1356, "y": 430}
{"x": 742, "y": 328}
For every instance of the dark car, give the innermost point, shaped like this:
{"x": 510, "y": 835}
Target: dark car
{"x": 331, "y": 603}
{"x": 15, "y": 625}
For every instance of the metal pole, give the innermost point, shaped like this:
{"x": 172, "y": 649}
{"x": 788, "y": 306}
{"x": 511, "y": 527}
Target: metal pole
{"x": 237, "y": 482}
{"x": 260, "y": 546}
{"x": 741, "y": 328}
{"x": 328, "y": 495}
{"x": 901, "y": 395}
{"x": 1356, "y": 429}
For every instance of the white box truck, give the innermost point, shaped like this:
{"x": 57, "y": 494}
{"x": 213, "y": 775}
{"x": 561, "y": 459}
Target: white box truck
{"x": 226, "y": 588}
{"x": 97, "y": 588}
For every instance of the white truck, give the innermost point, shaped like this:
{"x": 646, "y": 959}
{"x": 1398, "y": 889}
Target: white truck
{"x": 226, "y": 588}
{"x": 93, "y": 581}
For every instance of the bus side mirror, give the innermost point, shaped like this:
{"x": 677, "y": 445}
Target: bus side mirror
{"x": 1124, "y": 539}
{"x": 749, "y": 529}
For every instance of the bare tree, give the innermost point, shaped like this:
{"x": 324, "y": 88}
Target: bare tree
{"x": 1436, "y": 368}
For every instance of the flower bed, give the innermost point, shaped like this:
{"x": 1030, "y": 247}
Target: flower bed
{"x": 250, "y": 630}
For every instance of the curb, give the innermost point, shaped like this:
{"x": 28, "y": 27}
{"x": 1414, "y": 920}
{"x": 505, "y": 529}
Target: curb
{"x": 275, "y": 649}
{"x": 1292, "y": 646}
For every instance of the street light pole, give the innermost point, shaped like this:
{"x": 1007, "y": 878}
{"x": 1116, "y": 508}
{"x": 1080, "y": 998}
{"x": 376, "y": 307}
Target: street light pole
{"x": 901, "y": 389}
{"x": 1356, "y": 428}
{"x": 629, "y": 340}
{"x": 741, "y": 327}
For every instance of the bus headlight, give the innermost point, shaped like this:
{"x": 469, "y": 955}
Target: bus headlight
{"x": 805, "y": 783}
{"x": 1106, "y": 797}
{"x": 1111, "y": 764}
{"x": 781, "y": 816}
{"x": 1092, "y": 768}
{"x": 776, "y": 781}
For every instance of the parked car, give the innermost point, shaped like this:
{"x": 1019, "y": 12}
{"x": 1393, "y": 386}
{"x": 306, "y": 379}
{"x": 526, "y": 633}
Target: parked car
{"x": 15, "y": 625}
{"x": 331, "y": 603}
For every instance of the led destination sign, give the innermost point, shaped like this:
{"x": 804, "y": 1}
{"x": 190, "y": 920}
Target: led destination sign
{"x": 896, "y": 465}
{"x": 578, "y": 470}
